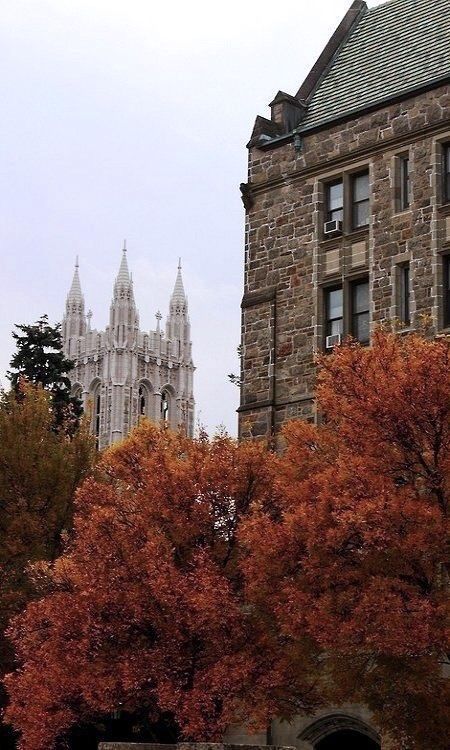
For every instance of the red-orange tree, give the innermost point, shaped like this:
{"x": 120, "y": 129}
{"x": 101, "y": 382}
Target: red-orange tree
{"x": 40, "y": 469}
{"x": 357, "y": 559}
{"x": 144, "y": 611}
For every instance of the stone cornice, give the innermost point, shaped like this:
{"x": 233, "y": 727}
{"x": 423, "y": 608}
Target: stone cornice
{"x": 348, "y": 159}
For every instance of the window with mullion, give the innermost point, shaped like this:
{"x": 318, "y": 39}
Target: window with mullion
{"x": 446, "y": 170}
{"x": 405, "y": 183}
{"x": 360, "y": 200}
{"x": 360, "y": 311}
{"x": 334, "y": 311}
{"x": 335, "y": 201}
{"x": 404, "y": 294}
{"x": 446, "y": 289}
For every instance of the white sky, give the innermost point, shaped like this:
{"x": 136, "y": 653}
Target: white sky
{"x": 130, "y": 119}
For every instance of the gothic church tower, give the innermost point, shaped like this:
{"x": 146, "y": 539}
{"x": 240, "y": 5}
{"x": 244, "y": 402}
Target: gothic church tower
{"x": 122, "y": 374}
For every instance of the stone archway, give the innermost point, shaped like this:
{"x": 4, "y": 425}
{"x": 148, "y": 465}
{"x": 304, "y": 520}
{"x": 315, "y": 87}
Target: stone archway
{"x": 347, "y": 739}
{"x": 341, "y": 732}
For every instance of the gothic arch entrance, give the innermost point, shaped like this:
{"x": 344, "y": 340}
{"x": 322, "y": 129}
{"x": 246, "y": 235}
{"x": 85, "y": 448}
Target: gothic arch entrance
{"x": 340, "y": 731}
{"x": 347, "y": 739}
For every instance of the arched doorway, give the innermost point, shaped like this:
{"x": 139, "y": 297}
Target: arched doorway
{"x": 340, "y": 731}
{"x": 347, "y": 739}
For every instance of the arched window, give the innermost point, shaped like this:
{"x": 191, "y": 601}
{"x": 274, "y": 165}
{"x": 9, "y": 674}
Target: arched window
{"x": 77, "y": 392}
{"x": 142, "y": 402}
{"x": 145, "y": 400}
{"x": 97, "y": 413}
{"x": 96, "y": 402}
{"x": 165, "y": 406}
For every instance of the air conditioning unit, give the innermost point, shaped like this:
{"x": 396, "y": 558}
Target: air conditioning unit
{"x": 332, "y": 341}
{"x": 331, "y": 228}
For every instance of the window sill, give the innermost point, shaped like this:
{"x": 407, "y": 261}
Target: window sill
{"x": 357, "y": 233}
{"x": 353, "y": 235}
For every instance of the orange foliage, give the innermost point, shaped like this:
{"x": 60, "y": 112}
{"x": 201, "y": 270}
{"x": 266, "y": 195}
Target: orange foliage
{"x": 217, "y": 582}
{"x": 357, "y": 559}
{"x": 146, "y": 607}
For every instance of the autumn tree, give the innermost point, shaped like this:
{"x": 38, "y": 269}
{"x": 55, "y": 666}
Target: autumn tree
{"x": 144, "y": 613}
{"x": 40, "y": 469}
{"x": 358, "y": 558}
{"x": 39, "y": 359}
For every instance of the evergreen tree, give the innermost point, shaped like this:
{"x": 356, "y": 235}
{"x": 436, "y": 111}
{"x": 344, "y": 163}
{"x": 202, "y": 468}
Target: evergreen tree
{"x": 40, "y": 360}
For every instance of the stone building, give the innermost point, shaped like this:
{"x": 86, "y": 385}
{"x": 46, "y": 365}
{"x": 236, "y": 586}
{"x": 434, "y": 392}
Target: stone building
{"x": 347, "y": 225}
{"x": 347, "y": 204}
{"x": 122, "y": 374}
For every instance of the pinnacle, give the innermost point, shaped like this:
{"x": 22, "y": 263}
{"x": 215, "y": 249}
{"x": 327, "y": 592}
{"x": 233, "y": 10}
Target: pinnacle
{"x": 75, "y": 293}
{"x": 178, "y": 290}
{"x": 123, "y": 277}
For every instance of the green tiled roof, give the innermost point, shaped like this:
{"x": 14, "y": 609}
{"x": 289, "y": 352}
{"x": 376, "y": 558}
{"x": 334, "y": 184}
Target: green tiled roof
{"x": 395, "y": 47}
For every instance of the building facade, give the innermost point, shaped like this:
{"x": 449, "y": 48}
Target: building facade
{"x": 347, "y": 204}
{"x": 347, "y": 226}
{"x": 123, "y": 374}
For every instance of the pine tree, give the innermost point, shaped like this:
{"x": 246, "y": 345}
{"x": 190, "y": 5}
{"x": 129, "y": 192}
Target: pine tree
{"x": 40, "y": 360}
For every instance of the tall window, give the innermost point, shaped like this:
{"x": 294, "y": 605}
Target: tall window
{"x": 334, "y": 312}
{"x": 405, "y": 183}
{"x": 404, "y": 294}
{"x": 335, "y": 201}
{"x": 360, "y": 311}
{"x": 96, "y": 413}
{"x": 446, "y": 285}
{"x": 446, "y": 170}
{"x": 165, "y": 406}
{"x": 142, "y": 402}
{"x": 360, "y": 200}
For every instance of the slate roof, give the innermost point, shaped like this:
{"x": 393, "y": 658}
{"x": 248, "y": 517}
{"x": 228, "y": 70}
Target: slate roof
{"x": 393, "y": 48}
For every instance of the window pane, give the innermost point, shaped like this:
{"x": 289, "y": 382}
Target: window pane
{"x": 335, "y": 304}
{"x": 336, "y": 326}
{"x": 446, "y": 290}
{"x": 361, "y": 297}
{"x": 404, "y": 291}
{"x": 447, "y": 173}
{"x": 361, "y": 327}
{"x": 335, "y": 196}
{"x": 361, "y": 187}
{"x": 336, "y": 215}
{"x": 361, "y": 214}
{"x": 405, "y": 183}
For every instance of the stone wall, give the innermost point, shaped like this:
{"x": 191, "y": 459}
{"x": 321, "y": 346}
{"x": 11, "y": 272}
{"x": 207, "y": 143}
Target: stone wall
{"x": 288, "y": 262}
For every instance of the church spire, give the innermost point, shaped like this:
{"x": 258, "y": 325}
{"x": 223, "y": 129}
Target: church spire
{"x": 123, "y": 277}
{"x": 123, "y": 309}
{"x": 75, "y": 293}
{"x": 74, "y": 321}
{"x": 178, "y": 294}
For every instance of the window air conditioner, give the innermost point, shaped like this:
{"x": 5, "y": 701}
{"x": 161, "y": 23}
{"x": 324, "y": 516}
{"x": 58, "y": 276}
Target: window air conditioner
{"x": 332, "y": 341}
{"x": 332, "y": 227}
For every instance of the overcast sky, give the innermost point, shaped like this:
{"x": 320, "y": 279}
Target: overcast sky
{"x": 129, "y": 119}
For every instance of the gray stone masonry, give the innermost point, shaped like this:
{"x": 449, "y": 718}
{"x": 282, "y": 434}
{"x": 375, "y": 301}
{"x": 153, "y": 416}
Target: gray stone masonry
{"x": 289, "y": 263}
